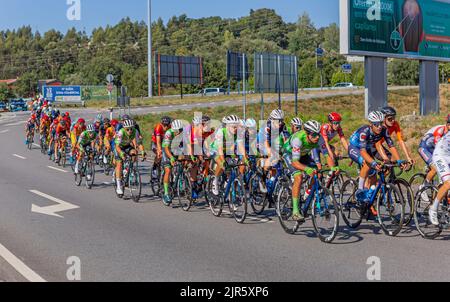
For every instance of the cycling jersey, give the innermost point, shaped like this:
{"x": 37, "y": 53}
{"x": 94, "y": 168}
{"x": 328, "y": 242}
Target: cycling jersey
{"x": 327, "y": 131}
{"x": 395, "y": 129}
{"x": 110, "y": 133}
{"x": 60, "y": 130}
{"x": 265, "y": 135}
{"x": 441, "y": 158}
{"x": 226, "y": 140}
{"x": 76, "y": 132}
{"x": 298, "y": 145}
{"x": 365, "y": 138}
{"x": 85, "y": 139}
{"x": 158, "y": 132}
{"x": 123, "y": 139}
{"x": 429, "y": 141}
{"x": 31, "y": 124}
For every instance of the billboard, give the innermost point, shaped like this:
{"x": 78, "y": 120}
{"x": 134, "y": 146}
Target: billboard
{"x": 179, "y": 70}
{"x": 412, "y": 29}
{"x": 234, "y": 66}
{"x": 62, "y": 93}
{"x": 275, "y": 73}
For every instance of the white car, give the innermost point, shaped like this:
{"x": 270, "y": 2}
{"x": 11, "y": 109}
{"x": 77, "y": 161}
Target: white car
{"x": 344, "y": 85}
{"x": 213, "y": 91}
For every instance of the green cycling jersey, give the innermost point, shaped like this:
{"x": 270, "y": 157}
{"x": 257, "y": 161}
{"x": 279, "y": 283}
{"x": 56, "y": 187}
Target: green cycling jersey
{"x": 298, "y": 145}
{"x": 86, "y": 139}
{"x": 225, "y": 139}
{"x": 124, "y": 139}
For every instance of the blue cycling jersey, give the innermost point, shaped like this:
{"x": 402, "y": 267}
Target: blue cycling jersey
{"x": 365, "y": 138}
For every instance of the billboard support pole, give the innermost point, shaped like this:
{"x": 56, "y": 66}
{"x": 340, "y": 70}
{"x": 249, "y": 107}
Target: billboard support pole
{"x": 244, "y": 86}
{"x": 429, "y": 87}
{"x": 376, "y": 95}
{"x": 296, "y": 85}
{"x": 261, "y": 82}
{"x": 279, "y": 81}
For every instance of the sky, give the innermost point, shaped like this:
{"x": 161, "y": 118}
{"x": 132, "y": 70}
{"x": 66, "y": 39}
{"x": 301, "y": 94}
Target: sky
{"x": 43, "y": 15}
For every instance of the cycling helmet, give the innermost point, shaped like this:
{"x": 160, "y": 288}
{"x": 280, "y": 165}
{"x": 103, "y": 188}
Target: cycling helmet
{"x": 334, "y": 117}
{"x": 389, "y": 111}
{"x": 81, "y": 121}
{"x": 129, "y": 124}
{"x": 376, "y": 117}
{"x": 114, "y": 123}
{"x": 67, "y": 114}
{"x": 90, "y": 128}
{"x": 99, "y": 118}
{"x": 33, "y": 116}
{"x": 231, "y": 119}
{"x": 63, "y": 115}
{"x": 297, "y": 122}
{"x": 277, "y": 114}
{"x": 55, "y": 122}
{"x": 206, "y": 119}
{"x": 197, "y": 120}
{"x": 166, "y": 121}
{"x": 250, "y": 123}
{"x": 177, "y": 125}
{"x": 312, "y": 127}
{"x": 126, "y": 117}
{"x": 106, "y": 121}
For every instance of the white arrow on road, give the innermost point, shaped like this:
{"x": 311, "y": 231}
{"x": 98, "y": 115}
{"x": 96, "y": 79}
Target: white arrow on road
{"x": 52, "y": 210}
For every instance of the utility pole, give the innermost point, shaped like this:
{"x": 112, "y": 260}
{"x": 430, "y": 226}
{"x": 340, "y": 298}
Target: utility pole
{"x": 150, "y": 81}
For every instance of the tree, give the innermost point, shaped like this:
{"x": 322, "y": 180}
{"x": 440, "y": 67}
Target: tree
{"x": 304, "y": 40}
{"x": 5, "y": 92}
{"x": 403, "y": 72}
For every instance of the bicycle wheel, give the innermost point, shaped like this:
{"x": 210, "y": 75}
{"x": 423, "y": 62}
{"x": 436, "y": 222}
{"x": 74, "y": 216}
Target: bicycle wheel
{"x": 238, "y": 201}
{"x": 416, "y": 182}
{"x": 215, "y": 201}
{"x": 408, "y": 197}
{"x": 257, "y": 199}
{"x": 325, "y": 215}
{"x": 421, "y": 217}
{"x": 155, "y": 183}
{"x": 30, "y": 142}
{"x": 285, "y": 209}
{"x": 350, "y": 209}
{"x": 79, "y": 175}
{"x": 184, "y": 192}
{"x": 134, "y": 184}
{"x": 89, "y": 174}
{"x": 391, "y": 210}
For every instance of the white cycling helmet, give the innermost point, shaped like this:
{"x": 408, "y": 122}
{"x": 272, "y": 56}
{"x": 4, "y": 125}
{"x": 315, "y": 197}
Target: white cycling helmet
{"x": 250, "y": 123}
{"x": 129, "y": 124}
{"x": 177, "y": 125}
{"x": 312, "y": 127}
{"x": 231, "y": 119}
{"x": 197, "y": 120}
{"x": 376, "y": 117}
{"x": 277, "y": 114}
{"x": 297, "y": 122}
{"x": 90, "y": 128}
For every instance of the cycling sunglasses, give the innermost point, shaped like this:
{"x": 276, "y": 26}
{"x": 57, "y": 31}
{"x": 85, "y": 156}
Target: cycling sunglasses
{"x": 391, "y": 118}
{"x": 336, "y": 123}
{"x": 314, "y": 135}
{"x": 378, "y": 125}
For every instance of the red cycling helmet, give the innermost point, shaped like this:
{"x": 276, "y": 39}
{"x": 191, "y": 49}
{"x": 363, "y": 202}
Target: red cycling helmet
{"x": 81, "y": 121}
{"x": 67, "y": 114}
{"x": 334, "y": 117}
{"x": 33, "y": 116}
{"x": 55, "y": 122}
{"x": 114, "y": 123}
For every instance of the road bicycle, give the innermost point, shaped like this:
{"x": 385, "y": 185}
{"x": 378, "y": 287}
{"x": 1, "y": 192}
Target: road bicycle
{"x": 86, "y": 168}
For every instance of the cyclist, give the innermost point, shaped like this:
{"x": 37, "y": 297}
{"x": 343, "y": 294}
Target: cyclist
{"x": 441, "y": 160}
{"x": 299, "y": 158}
{"x": 168, "y": 158}
{"x": 76, "y": 131}
{"x": 109, "y": 139}
{"x": 44, "y": 126}
{"x": 102, "y": 132}
{"x": 127, "y": 142}
{"x": 427, "y": 147}
{"x": 30, "y": 126}
{"x": 360, "y": 151}
{"x": 394, "y": 129}
{"x": 328, "y": 132}
{"x": 157, "y": 140}
{"x": 87, "y": 138}
{"x": 224, "y": 144}
{"x": 62, "y": 132}
{"x": 52, "y": 134}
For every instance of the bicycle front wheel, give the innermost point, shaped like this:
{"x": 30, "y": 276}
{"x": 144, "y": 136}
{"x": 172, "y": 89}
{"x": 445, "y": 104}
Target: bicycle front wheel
{"x": 215, "y": 201}
{"x": 184, "y": 192}
{"x": 134, "y": 184}
{"x": 391, "y": 210}
{"x": 408, "y": 197}
{"x": 325, "y": 215}
{"x": 285, "y": 210}
{"x": 238, "y": 201}
{"x": 90, "y": 174}
{"x": 257, "y": 198}
{"x": 349, "y": 207}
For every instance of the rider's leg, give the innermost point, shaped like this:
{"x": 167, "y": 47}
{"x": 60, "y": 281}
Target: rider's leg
{"x": 298, "y": 179}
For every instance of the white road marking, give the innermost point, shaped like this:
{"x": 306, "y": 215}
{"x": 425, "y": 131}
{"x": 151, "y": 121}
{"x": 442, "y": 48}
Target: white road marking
{"x": 52, "y": 210}
{"x": 19, "y": 266}
{"x": 4, "y": 131}
{"x": 18, "y": 156}
{"x": 16, "y": 124}
{"x": 264, "y": 220}
{"x": 56, "y": 169}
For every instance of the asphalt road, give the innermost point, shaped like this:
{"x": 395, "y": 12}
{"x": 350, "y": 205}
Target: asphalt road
{"x": 118, "y": 240}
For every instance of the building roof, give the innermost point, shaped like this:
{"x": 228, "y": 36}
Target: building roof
{"x": 9, "y": 81}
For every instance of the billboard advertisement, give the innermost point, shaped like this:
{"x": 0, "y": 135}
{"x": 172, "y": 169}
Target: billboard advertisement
{"x": 412, "y": 29}
{"x": 235, "y": 66}
{"x": 275, "y": 73}
{"x": 179, "y": 70}
{"x": 62, "y": 93}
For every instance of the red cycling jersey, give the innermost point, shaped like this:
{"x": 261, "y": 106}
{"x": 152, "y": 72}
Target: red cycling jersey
{"x": 158, "y": 132}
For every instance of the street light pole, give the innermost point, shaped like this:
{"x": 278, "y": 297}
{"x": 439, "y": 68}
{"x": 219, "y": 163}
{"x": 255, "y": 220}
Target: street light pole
{"x": 150, "y": 81}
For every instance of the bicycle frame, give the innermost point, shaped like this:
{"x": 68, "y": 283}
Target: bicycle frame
{"x": 316, "y": 189}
